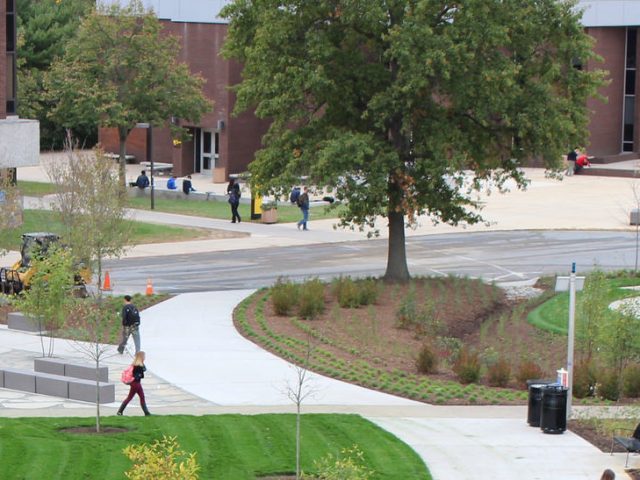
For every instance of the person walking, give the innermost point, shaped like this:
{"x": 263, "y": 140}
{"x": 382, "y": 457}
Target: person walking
{"x": 135, "y": 387}
{"x": 130, "y": 325}
{"x": 303, "y": 204}
{"x": 233, "y": 190}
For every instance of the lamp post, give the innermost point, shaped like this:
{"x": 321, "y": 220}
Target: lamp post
{"x": 572, "y": 284}
{"x": 149, "y": 128}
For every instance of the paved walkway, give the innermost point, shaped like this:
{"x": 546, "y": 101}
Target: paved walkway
{"x": 226, "y": 373}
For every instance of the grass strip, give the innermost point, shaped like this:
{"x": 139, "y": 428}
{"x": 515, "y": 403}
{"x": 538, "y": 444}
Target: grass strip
{"x": 228, "y": 447}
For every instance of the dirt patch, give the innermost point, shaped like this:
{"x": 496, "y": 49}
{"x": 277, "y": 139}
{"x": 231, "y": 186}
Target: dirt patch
{"x": 92, "y": 430}
{"x": 453, "y": 312}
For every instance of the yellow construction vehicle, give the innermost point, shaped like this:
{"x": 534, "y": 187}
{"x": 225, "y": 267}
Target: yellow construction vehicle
{"x": 18, "y": 277}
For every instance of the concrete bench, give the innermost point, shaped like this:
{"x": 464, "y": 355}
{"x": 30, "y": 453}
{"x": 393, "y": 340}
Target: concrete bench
{"x": 59, "y": 366}
{"x": 57, "y": 385}
{"x": 19, "y": 321}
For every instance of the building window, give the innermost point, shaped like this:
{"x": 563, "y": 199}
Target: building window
{"x": 11, "y": 58}
{"x": 628, "y": 112}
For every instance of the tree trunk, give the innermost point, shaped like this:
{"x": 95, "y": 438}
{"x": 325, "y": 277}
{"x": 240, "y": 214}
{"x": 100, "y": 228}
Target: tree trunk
{"x": 397, "y": 270}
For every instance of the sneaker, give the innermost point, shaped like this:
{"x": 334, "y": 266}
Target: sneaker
{"x": 120, "y": 350}
{"x": 119, "y": 413}
{"x": 299, "y": 226}
{"x": 305, "y": 229}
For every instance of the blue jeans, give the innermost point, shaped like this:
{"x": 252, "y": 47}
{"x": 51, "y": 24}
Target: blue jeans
{"x": 305, "y": 218}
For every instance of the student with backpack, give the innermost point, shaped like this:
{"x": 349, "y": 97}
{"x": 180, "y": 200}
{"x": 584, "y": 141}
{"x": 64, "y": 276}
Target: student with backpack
{"x": 133, "y": 376}
{"x": 303, "y": 205}
{"x": 233, "y": 190}
{"x": 130, "y": 325}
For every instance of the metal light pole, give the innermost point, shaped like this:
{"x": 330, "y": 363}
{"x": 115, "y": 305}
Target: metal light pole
{"x": 149, "y": 128}
{"x": 573, "y": 284}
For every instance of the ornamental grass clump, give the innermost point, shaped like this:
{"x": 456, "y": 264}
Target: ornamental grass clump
{"x": 528, "y": 370}
{"x": 346, "y": 292}
{"x": 311, "y": 299}
{"x": 284, "y": 297}
{"x": 467, "y": 366}
{"x": 427, "y": 361}
{"x": 499, "y": 373}
{"x": 631, "y": 381}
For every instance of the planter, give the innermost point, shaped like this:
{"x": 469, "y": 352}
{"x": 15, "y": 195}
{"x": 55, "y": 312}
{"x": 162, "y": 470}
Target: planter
{"x": 270, "y": 216}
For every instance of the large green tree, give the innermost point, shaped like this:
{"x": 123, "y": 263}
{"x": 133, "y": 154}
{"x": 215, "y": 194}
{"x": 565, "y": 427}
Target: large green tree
{"x": 121, "y": 69}
{"x": 407, "y": 106}
{"x": 44, "y": 28}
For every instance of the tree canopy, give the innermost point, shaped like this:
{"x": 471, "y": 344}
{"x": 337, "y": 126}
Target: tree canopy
{"x": 404, "y": 107}
{"x": 44, "y": 28}
{"x": 121, "y": 69}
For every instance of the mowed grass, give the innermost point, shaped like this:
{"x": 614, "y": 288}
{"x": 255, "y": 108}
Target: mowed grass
{"x": 46, "y": 221}
{"x": 287, "y": 213}
{"x": 228, "y": 447}
{"x": 553, "y": 315}
{"x": 36, "y": 189}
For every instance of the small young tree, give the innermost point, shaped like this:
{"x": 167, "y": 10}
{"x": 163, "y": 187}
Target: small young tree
{"x": 10, "y": 204}
{"x": 592, "y": 311}
{"x": 619, "y": 338}
{"x": 49, "y": 298}
{"x": 298, "y": 393}
{"x": 90, "y": 206}
{"x": 93, "y": 317}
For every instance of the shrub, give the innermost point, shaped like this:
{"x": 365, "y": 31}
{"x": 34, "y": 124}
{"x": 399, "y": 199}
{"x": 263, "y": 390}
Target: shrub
{"x": 631, "y": 381}
{"x": 584, "y": 380}
{"x": 427, "y": 361}
{"x": 284, "y": 297}
{"x": 346, "y": 292}
{"x": 608, "y": 385}
{"x": 311, "y": 299}
{"x": 528, "y": 370}
{"x": 349, "y": 465}
{"x": 499, "y": 373}
{"x": 368, "y": 291}
{"x": 407, "y": 312}
{"x": 162, "y": 459}
{"x": 467, "y": 366}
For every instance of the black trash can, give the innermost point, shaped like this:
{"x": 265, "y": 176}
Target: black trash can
{"x": 553, "y": 416}
{"x": 535, "y": 400}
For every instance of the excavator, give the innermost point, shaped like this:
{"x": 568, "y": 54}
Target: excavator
{"x": 18, "y": 277}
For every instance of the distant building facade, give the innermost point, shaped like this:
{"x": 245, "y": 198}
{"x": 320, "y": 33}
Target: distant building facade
{"x": 615, "y": 127}
{"x": 220, "y": 144}
{"x": 19, "y": 138}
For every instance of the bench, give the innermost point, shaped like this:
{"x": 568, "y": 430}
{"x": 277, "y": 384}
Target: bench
{"x": 65, "y": 368}
{"x": 158, "y": 167}
{"x": 161, "y": 192}
{"x": 20, "y": 321}
{"x": 57, "y": 385}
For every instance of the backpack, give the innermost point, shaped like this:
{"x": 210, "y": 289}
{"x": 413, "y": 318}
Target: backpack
{"x": 127, "y": 375}
{"x": 133, "y": 315}
{"x": 295, "y": 195}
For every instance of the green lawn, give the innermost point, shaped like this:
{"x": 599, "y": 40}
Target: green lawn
{"x": 553, "y": 315}
{"x": 228, "y": 447}
{"x": 36, "y": 189}
{"x": 215, "y": 209}
{"x": 46, "y": 221}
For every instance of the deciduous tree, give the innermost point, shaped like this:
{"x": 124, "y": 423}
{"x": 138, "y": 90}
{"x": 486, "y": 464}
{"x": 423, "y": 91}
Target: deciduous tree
{"x": 407, "y": 107}
{"x": 120, "y": 70}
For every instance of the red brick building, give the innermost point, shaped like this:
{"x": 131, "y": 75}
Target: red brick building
{"x": 220, "y": 144}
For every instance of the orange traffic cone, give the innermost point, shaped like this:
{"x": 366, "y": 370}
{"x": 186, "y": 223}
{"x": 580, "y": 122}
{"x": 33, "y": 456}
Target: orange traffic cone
{"x": 149, "y": 287}
{"x": 107, "y": 282}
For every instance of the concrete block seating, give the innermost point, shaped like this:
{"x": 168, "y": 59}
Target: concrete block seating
{"x": 59, "y": 366}
{"x": 85, "y": 390}
{"x": 19, "y": 380}
{"x": 19, "y": 321}
{"x": 51, "y": 382}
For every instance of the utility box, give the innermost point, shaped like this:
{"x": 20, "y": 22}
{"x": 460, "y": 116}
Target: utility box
{"x": 634, "y": 217}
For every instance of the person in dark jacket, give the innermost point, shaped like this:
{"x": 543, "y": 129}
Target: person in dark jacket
{"x": 233, "y": 190}
{"x": 130, "y": 325}
{"x": 187, "y": 187}
{"x": 142, "y": 181}
{"x": 135, "y": 387}
{"x": 303, "y": 203}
